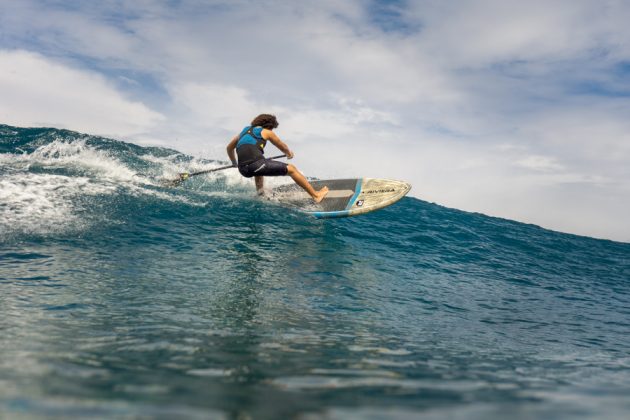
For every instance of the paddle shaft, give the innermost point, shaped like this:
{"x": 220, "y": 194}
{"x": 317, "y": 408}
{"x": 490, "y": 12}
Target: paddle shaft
{"x": 185, "y": 175}
{"x": 207, "y": 171}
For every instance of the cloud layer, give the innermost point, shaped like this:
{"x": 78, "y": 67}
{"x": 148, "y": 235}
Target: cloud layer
{"x": 38, "y": 91}
{"x": 508, "y": 108}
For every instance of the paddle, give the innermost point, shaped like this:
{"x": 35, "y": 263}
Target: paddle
{"x": 185, "y": 175}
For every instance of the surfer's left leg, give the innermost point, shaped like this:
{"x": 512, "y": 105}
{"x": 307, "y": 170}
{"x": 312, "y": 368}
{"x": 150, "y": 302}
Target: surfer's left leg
{"x": 260, "y": 183}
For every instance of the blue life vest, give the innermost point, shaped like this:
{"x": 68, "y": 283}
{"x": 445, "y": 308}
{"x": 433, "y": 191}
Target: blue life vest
{"x": 251, "y": 145}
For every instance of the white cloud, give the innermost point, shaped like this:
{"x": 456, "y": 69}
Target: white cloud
{"x": 38, "y": 91}
{"x": 540, "y": 163}
{"x": 475, "y": 33}
{"x": 214, "y": 105}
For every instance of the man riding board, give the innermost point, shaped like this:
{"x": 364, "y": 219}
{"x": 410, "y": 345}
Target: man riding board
{"x": 249, "y": 146}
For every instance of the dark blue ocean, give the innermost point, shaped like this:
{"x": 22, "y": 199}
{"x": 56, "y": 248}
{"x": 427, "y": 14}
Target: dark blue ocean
{"x": 124, "y": 298}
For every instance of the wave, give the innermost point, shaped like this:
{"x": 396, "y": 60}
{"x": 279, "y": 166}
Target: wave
{"x": 55, "y": 181}
{"x": 413, "y": 304}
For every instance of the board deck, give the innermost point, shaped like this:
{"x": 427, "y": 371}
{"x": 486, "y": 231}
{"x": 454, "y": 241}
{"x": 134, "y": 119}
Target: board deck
{"x": 346, "y": 197}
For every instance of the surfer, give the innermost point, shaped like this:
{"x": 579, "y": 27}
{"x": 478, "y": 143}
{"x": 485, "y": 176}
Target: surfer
{"x": 249, "y": 146}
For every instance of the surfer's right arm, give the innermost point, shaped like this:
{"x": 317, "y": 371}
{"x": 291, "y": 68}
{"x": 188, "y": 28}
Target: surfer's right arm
{"x": 230, "y": 149}
{"x": 275, "y": 140}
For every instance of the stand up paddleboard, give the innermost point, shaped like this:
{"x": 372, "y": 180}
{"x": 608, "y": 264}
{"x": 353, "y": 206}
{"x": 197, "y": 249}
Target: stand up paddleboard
{"x": 346, "y": 197}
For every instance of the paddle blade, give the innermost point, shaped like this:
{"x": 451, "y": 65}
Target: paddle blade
{"x": 175, "y": 182}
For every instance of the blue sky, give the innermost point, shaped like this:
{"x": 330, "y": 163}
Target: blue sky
{"x": 510, "y": 108}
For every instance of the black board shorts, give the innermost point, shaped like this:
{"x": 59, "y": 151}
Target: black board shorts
{"x": 264, "y": 167}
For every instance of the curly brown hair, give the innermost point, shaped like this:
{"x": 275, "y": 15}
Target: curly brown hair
{"x": 267, "y": 121}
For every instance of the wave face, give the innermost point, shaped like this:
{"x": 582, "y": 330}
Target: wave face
{"x": 122, "y": 297}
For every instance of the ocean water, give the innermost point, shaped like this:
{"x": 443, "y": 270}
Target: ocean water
{"x": 123, "y": 298}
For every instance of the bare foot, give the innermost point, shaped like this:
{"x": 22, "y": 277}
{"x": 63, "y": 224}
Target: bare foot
{"x": 319, "y": 195}
{"x": 262, "y": 194}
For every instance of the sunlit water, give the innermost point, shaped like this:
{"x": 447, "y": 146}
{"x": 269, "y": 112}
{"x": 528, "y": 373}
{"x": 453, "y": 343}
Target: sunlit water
{"x": 123, "y": 298}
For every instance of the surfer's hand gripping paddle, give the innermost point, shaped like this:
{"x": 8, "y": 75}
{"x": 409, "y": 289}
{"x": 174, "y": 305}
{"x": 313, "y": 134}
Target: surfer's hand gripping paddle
{"x": 183, "y": 176}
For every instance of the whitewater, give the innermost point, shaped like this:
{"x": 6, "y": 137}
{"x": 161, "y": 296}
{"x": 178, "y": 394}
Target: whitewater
{"x": 121, "y": 297}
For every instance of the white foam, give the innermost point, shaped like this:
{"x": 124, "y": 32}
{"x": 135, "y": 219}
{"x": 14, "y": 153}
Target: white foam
{"x": 43, "y": 203}
{"x": 33, "y": 201}
{"x": 73, "y": 155}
